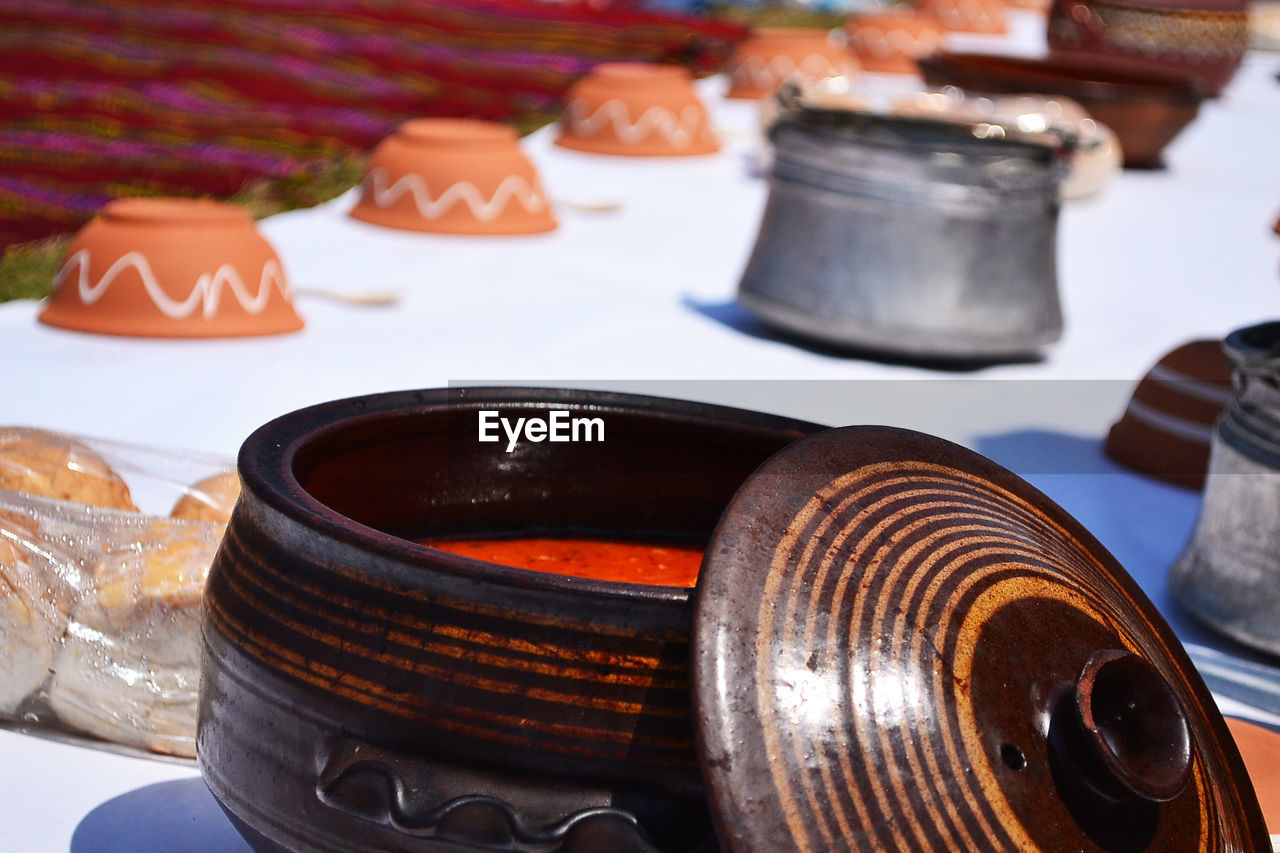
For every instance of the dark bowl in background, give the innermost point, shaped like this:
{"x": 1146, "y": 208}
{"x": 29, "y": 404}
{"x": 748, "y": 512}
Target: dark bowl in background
{"x": 1147, "y": 109}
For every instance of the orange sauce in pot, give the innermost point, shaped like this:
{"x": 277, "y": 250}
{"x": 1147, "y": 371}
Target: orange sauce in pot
{"x": 667, "y": 564}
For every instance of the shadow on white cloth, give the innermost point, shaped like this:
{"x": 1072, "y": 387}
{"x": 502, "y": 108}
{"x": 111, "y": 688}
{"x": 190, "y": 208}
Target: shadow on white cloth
{"x": 180, "y": 816}
{"x": 733, "y": 316}
{"x": 1144, "y": 522}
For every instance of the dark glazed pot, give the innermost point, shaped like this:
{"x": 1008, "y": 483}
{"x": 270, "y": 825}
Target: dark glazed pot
{"x": 363, "y": 692}
{"x": 910, "y": 238}
{"x": 1227, "y": 576}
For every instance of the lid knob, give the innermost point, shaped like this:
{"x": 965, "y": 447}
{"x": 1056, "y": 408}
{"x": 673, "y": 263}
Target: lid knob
{"x": 1123, "y": 731}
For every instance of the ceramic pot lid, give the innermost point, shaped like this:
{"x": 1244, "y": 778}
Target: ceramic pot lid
{"x": 901, "y": 646}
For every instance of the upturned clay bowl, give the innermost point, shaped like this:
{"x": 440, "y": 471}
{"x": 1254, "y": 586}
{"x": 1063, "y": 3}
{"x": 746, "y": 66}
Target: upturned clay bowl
{"x": 890, "y": 42}
{"x": 453, "y": 176}
{"x": 1203, "y": 40}
{"x": 771, "y": 56}
{"x": 1167, "y": 427}
{"x": 363, "y": 691}
{"x": 636, "y": 109}
{"x": 1145, "y": 109}
{"x": 171, "y": 268}
{"x": 970, "y": 16}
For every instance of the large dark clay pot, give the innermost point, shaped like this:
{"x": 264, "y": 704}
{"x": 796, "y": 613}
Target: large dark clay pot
{"x": 365, "y": 692}
{"x": 895, "y": 645}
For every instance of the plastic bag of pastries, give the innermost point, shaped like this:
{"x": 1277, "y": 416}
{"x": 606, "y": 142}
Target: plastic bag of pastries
{"x": 104, "y": 550}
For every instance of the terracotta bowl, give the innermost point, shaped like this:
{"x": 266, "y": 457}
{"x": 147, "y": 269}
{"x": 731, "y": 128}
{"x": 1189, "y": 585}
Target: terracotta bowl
{"x": 890, "y": 42}
{"x": 1167, "y": 427}
{"x": 636, "y": 109}
{"x": 1203, "y": 40}
{"x": 453, "y": 176}
{"x": 970, "y": 16}
{"x": 771, "y": 56}
{"x": 171, "y": 268}
{"x": 1145, "y": 109}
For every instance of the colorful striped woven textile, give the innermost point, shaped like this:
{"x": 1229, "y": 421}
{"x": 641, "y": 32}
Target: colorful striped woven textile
{"x": 202, "y": 97}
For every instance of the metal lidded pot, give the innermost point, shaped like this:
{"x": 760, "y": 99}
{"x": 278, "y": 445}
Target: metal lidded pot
{"x": 863, "y": 664}
{"x": 1228, "y": 575}
{"x": 908, "y": 237}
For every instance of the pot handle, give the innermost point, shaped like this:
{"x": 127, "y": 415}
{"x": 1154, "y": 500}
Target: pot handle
{"x": 418, "y": 798}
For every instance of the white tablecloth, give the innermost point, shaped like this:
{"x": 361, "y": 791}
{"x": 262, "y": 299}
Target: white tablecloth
{"x": 643, "y": 299}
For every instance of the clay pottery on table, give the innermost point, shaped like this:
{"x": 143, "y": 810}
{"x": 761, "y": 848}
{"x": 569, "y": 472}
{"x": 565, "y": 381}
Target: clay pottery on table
{"x": 890, "y": 41}
{"x": 453, "y": 176}
{"x": 1229, "y": 574}
{"x": 1202, "y": 40}
{"x": 1167, "y": 427}
{"x": 1147, "y": 109}
{"x": 559, "y": 706}
{"x": 773, "y": 55}
{"x": 908, "y": 237}
{"x": 970, "y": 16}
{"x": 636, "y": 109}
{"x": 363, "y": 691}
{"x": 171, "y": 268}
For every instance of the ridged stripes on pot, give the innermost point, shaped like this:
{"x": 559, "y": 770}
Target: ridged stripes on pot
{"x": 891, "y": 652}
{"x": 586, "y": 693}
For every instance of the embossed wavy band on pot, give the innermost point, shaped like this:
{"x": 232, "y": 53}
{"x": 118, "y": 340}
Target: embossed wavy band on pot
{"x": 330, "y": 634}
{"x": 771, "y": 56}
{"x": 453, "y": 176}
{"x": 636, "y": 109}
{"x": 171, "y": 267}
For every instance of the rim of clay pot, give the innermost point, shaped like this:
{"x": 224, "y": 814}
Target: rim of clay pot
{"x": 456, "y": 132}
{"x": 1251, "y": 345}
{"x": 1095, "y": 78}
{"x": 917, "y": 131}
{"x": 270, "y": 459}
{"x": 636, "y": 74}
{"x": 176, "y": 211}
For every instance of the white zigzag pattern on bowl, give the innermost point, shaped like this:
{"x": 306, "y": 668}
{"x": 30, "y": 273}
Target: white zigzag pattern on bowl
{"x": 782, "y": 68}
{"x": 885, "y": 44}
{"x": 680, "y": 131}
{"x": 205, "y": 295}
{"x": 965, "y": 12}
{"x": 486, "y": 210}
